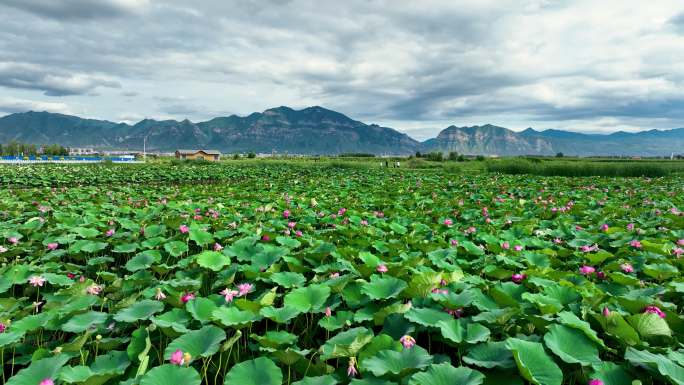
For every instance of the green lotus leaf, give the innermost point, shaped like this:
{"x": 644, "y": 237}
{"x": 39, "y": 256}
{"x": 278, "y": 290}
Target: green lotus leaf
{"x": 320, "y": 380}
{"x": 10, "y": 337}
{"x": 656, "y": 363}
{"x": 200, "y": 236}
{"x": 199, "y": 343}
{"x": 534, "y": 364}
{"x": 280, "y": 315}
{"x": 288, "y": 279}
{"x": 232, "y": 316}
{"x": 80, "y": 322}
{"x": 39, "y": 370}
{"x": 399, "y": 363}
{"x": 649, "y": 325}
{"x": 176, "y": 319}
{"x": 347, "y": 343}
{"x": 309, "y": 298}
{"x": 212, "y": 260}
{"x": 570, "y": 319}
{"x": 381, "y": 288}
{"x": 490, "y": 355}
{"x": 617, "y": 327}
{"x": 445, "y": 374}
{"x": 143, "y": 260}
{"x": 126, "y": 248}
{"x": 274, "y": 339}
{"x": 142, "y": 310}
{"x": 176, "y": 248}
{"x": 427, "y": 316}
{"x": 571, "y": 345}
{"x": 171, "y": 374}
{"x": 611, "y": 374}
{"x": 201, "y": 309}
{"x": 260, "y": 371}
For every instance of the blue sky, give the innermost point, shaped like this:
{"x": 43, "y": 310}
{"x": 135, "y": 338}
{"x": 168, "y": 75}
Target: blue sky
{"x": 590, "y": 66}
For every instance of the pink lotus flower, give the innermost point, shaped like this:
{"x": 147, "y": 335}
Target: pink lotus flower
{"x": 635, "y": 243}
{"x": 3, "y": 327}
{"x": 517, "y": 277}
{"x": 517, "y": 248}
{"x": 600, "y": 275}
{"x": 328, "y": 311}
{"x": 485, "y": 212}
{"x": 654, "y": 310}
{"x": 586, "y": 270}
{"x": 454, "y": 242}
{"x": 291, "y": 224}
{"x": 470, "y": 230}
{"x": 180, "y": 358}
{"x": 448, "y": 222}
{"x": 351, "y": 369}
{"x": 265, "y": 238}
{"x": 52, "y": 246}
{"x": 36, "y": 281}
{"x": 184, "y": 229}
{"x": 159, "y": 295}
{"x": 110, "y": 232}
{"x": 218, "y": 247}
{"x": 298, "y": 233}
{"x": 606, "y": 312}
{"x": 627, "y": 268}
{"x": 589, "y": 249}
{"x": 630, "y": 226}
{"x": 364, "y": 222}
{"x": 407, "y": 341}
{"x": 94, "y": 289}
{"x": 506, "y": 245}
{"x": 47, "y": 381}
{"x": 558, "y": 241}
{"x": 13, "y": 240}
{"x": 381, "y": 268}
{"x": 334, "y": 274}
{"x": 229, "y": 294}
{"x": 187, "y": 297}
{"x": 341, "y": 211}
{"x": 680, "y": 242}
{"x": 595, "y": 381}
{"x": 604, "y": 227}
{"x": 678, "y": 251}
{"x": 286, "y": 214}
{"x": 244, "y": 289}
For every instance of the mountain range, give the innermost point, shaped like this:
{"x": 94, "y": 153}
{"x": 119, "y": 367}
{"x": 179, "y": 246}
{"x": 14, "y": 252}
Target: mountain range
{"x": 316, "y": 130}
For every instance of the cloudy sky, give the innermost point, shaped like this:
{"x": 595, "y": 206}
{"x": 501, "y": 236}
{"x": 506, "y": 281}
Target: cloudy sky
{"x": 418, "y": 66}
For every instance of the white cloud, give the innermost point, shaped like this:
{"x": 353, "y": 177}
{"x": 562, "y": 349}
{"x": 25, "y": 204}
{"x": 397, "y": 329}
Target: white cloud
{"x": 10, "y": 105}
{"x": 573, "y": 64}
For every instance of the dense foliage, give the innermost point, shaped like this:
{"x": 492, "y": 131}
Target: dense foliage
{"x": 289, "y": 275}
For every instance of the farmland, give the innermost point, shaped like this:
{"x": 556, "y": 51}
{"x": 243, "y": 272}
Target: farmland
{"x": 295, "y": 273}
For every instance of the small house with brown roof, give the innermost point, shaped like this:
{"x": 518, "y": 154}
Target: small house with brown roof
{"x": 211, "y": 155}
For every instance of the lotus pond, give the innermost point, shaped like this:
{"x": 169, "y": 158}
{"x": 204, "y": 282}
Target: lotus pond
{"x": 283, "y": 274}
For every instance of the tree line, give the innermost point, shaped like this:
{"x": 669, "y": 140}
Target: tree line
{"x": 23, "y": 149}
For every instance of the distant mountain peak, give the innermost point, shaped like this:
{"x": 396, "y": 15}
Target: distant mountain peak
{"x": 318, "y": 130}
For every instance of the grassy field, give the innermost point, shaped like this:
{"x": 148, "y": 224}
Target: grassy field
{"x": 340, "y": 271}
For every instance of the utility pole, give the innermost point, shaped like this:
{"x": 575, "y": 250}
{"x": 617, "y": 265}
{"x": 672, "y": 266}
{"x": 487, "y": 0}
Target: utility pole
{"x": 145, "y": 147}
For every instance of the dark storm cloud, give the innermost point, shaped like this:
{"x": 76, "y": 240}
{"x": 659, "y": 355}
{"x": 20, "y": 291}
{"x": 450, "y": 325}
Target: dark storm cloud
{"x": 32, "y": 77}
{"x": 380, "y": 60}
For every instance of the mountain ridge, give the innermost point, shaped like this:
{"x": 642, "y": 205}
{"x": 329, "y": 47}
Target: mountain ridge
{"x": 317, "y": 130}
